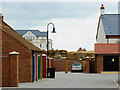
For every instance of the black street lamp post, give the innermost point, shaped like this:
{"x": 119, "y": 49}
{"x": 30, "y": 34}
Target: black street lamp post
{"x": 48, "y": 46}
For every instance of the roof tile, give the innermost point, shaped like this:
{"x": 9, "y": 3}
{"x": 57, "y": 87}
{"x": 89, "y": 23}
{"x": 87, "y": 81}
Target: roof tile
{"x": 111, "y": 24}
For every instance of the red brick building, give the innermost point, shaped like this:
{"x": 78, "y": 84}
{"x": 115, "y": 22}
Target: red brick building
{"x": 107, "y": 48}
{"x": 29, "y": 58}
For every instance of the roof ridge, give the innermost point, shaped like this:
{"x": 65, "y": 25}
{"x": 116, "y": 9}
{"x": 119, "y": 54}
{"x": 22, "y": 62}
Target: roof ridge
{"x": 35, "y": 32}
{"x": 26, "y": 30}
{"x": 111, "y": 14}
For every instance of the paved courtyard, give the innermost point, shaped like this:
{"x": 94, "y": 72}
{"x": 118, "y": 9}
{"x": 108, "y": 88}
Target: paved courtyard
{"x": 75, "y": 80}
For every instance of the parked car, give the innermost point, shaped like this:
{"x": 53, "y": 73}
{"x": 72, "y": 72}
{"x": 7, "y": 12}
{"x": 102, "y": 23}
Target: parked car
{"x": 77, "y": 67}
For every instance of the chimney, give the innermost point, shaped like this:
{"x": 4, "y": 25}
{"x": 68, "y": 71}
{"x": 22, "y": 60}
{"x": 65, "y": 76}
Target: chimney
{"x": 102, "y": 10}
{"x": 1, "y": 17}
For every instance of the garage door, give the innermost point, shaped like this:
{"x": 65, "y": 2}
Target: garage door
{"x": 39, "y": 67}
{"x": 34, "y": 68}
{"x": 111, "y": 63}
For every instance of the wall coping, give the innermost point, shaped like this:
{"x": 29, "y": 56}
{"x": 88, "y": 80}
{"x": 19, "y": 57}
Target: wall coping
{"x": 80, "y": 59}
{"x": 14, "y": 53}
{"x": 43, "y": 54}
{"x": 64, "y": 57}
{"x": 87, "y": 57}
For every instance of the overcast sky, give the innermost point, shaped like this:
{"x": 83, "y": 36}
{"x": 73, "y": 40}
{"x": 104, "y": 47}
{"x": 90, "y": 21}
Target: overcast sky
{"x": 76, "y": 23}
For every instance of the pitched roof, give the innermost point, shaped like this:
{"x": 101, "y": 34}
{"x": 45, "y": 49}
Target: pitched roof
{"x": 111, "y": 24}
{"x": 35, "y": 32}
{"x": 7, "y": 29}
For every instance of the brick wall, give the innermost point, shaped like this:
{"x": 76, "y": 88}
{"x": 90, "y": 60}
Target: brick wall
{"x": 92, "y": 66}
{"x": 87, "y": 66}
{"x": 10, "y": 44}
{"x": 10, "y": 77}
{"x": 5, "y": 71}
{"x": 59, "y": 64}
{"x": 107, "y": 48}
{"x": 99, "y": 63}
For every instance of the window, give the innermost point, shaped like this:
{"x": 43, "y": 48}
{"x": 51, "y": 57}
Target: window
{"x": 40, "y": 45}
{"x": 77, "y": 64}
{"x": 37, "y": 37}
{"x": 40, "y": 37}
{"x": 28, "y": 37}
{"x": 33, "y": 37}
{"x": 43, "y": 37}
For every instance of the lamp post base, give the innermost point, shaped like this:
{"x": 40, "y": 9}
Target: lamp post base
{"x": 51, "y": 72}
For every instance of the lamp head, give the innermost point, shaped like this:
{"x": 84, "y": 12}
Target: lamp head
{"x": 53, "y": 30}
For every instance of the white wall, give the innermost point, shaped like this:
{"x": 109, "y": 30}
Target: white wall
{"x": 43, "y": 43}
{"x": 38, "y": 41}
{"x": 29, "y": 34}
{"x": 101, "y": 34}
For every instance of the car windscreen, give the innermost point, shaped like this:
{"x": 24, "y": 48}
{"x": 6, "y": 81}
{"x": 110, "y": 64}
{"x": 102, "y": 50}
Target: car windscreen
{"x": 77, "y": 64}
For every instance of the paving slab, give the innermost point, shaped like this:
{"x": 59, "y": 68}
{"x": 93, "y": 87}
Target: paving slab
{"x": 75, "y": 80}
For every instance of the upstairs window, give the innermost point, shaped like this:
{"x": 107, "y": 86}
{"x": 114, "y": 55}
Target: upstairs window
{"x": 33, "y": 37}
{"x": 29, "y": 37}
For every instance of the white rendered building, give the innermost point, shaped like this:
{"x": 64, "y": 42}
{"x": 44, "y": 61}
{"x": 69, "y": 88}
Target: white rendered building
{"x": 36, "y": 37}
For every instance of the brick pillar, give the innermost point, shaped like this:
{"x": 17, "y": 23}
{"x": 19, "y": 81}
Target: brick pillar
{"x": 92, "y": 58}
{"x": 36, "y": 67}
{"x": 87, "y": 64}
{"x": 99, "y": 63}
{"x": 14, "y": 71}
{"x": 44, "y": 66}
